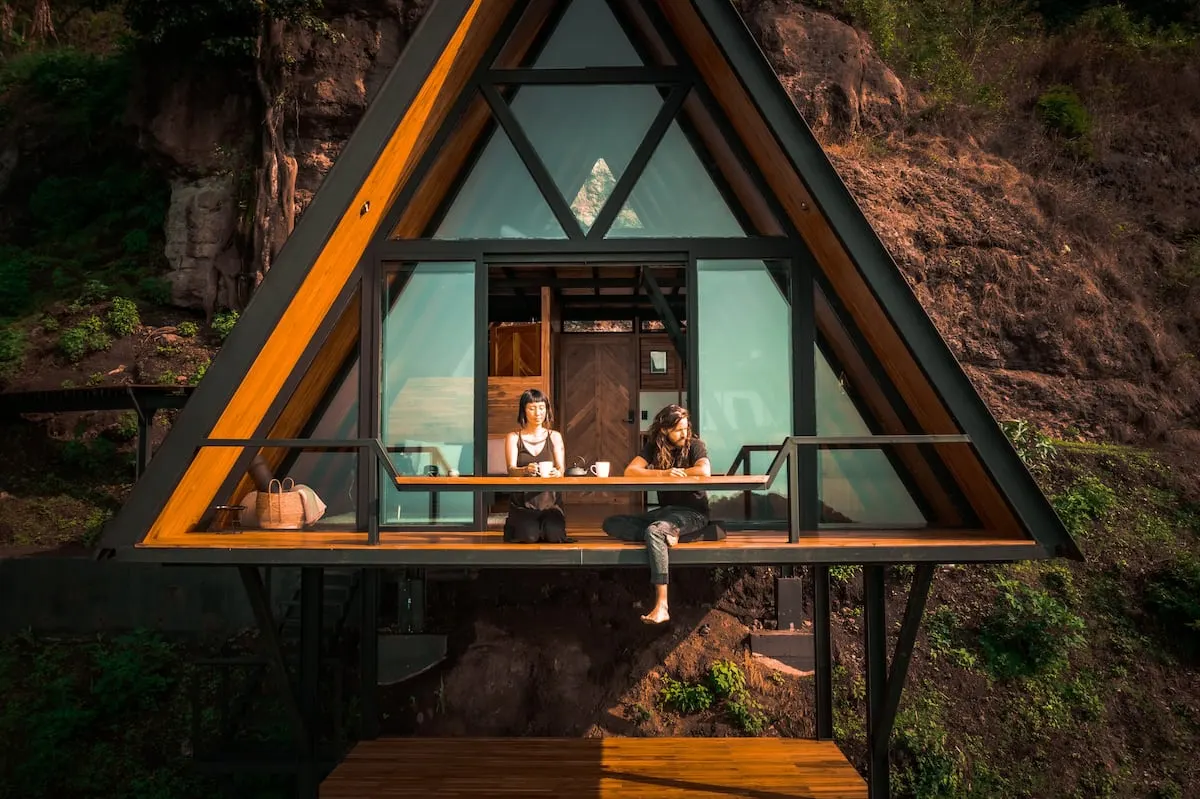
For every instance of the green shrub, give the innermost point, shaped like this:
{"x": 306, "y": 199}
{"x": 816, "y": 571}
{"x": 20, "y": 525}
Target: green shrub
{"x": 223, "y": 322}
{"x": 14, "y": 281}
{"x": 1085, "y": 502}
{"x": 684, "y": 697}
{"x": 944, "y": 633}
{"x": 1172, "y": 597}
{"x": 1062, "y": 113}
{"x": 927, "y": 765}
{"x": 123, "y": 317}
{"x": 12, "y": 349}
{"x": 188, "y": 329}
{"x": 1035, "y": 448}
{"x": 155, "y": 290}
{"x": 1028, "y": 631}
{"x": 725, "y": 679}
{"x": 126, "y": 426}
{"x": 86, "y": 337}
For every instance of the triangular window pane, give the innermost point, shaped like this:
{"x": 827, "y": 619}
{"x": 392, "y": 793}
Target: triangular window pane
{"x": 856, "y": 485}
{"x": 675, "y": 197}
{"x": 588, "y": 35}
{"x": 586, "y": 136}
{"x": 499, "y": 199}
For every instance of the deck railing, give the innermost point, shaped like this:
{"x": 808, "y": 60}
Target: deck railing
{"x": 798, "y": 453}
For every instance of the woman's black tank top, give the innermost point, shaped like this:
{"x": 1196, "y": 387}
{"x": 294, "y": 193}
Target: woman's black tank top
{"x": 543, "y": 499}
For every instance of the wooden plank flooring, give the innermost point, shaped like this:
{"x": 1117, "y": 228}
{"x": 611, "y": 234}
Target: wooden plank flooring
{"x": 586, "y": 539}
{"x": 596, "y": 768}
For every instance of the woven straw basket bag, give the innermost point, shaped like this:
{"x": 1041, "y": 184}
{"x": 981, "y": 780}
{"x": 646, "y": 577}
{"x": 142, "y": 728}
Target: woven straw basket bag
{"x": 280, "y": 507}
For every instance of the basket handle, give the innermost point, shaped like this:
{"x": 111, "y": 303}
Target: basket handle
{"x": 271, "y": 487}
{"x": 288, "y": 484}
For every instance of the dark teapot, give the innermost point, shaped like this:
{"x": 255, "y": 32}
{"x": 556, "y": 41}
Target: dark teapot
{"x": 578, "y": 470}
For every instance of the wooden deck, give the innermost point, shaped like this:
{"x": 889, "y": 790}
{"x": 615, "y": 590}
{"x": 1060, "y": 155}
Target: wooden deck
{"x": 590, "y": 548}
{"x": 595, "y": 768}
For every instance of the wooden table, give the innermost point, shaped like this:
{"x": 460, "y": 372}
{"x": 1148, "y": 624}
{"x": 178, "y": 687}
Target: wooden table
{"x": 722, "y": 482}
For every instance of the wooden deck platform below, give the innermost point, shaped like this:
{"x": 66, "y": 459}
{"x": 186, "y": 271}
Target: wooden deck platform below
{"x": 595, "y": 768}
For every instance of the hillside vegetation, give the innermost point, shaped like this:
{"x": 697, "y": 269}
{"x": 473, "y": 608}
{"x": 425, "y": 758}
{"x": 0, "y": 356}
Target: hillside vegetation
{"x": 1041, "y": 194}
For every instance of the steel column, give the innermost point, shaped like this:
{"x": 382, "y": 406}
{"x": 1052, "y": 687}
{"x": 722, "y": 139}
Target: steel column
{"x": 922, "y": 579}
{"x": 368, "y": 666}
{"x": 272, "y": 650}
{"x": 312, "y": 595}
{"x": 875, "y": 648}
{"x": 823, "y": 653}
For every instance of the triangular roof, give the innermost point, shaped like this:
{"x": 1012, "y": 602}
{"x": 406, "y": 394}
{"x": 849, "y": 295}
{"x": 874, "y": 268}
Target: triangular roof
{"x": 304, "y": 295}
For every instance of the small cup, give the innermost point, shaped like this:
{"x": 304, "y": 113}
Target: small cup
{"x": 545, "y": 468}
{"x": 599, "y": 468}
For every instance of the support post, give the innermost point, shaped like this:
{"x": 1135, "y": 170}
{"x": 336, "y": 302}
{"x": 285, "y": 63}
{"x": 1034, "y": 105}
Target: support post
{"x": 368, "y": 666}
{"x": 922, "y": 579}
{"x": 271, "y": 650}
{"x": 823, "y": 653}
{"x": 875, "y": 646}
{"x": 145, "y": 423}
{"x": 312, "y": 579}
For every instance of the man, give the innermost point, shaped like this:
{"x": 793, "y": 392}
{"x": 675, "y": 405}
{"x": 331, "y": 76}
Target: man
{"x": 672, "y": 451}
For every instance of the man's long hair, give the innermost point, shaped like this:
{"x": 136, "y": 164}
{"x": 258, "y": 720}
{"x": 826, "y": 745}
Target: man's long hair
{"x": 665, "y": 454}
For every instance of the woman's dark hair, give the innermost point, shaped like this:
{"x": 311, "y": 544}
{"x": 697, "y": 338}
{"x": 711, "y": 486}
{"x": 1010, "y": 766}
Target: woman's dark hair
{"x": 664, "y": 422}
{"x": 535, "y": 395}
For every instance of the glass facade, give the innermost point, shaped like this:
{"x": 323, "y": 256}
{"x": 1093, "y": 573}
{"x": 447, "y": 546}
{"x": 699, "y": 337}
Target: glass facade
{"x": 675, "y": 197}
{"x": 499, "y": 199}
{"x": 588, "y": 35}
{"x": 586, "y": 136}
{"x": 744, "y": 369}
{"x": 856, "y": 485}
{"x": 427, "y": 378}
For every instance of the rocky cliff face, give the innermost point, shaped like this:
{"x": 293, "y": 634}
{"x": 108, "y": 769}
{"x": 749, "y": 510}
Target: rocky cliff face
{"x": 203, "y": 129}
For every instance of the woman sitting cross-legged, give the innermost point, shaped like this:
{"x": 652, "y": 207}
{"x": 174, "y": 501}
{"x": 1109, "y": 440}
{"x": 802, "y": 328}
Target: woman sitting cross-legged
{"x": 534, "y": 517}
{"x": 672, "y": 450}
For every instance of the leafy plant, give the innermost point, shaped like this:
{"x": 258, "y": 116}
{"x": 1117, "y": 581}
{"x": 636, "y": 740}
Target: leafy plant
{"x": 1028, "y": 631}
{"x": 188, "y": 329}
{"x": 1172, "y": 597}
{"x": 123, "y": 317}
{"x": 725, "y": 679}
{"x": 684, "y": 697}
{"x": 86, "y": 337}
{"x": 223, "y": 322}
{"x": 1086, "y": 501}
{"x": 1034, "y": 447}
{"x": 12, "y": 348}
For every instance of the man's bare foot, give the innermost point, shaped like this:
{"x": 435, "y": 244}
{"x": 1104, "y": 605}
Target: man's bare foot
{"x": 672, "y": 540}
{"x": 658, "y": 615}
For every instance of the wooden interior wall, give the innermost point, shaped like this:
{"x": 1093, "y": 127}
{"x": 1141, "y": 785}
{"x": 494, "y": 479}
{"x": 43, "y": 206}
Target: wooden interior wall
{"x": 835, "y": 262}
{"x": 333, "y": 267}
{"x": 673, "y": 379}
{"x": 504, "y": 391}
{"x": 515, "y": 350}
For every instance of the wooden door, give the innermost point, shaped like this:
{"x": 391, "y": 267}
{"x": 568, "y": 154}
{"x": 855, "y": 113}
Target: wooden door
{"x": 599, "y": 399}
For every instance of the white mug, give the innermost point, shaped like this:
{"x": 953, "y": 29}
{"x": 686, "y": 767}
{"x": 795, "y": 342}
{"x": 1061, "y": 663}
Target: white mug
{"x": 599, "y": 468}
{"x": 545, "y": 468}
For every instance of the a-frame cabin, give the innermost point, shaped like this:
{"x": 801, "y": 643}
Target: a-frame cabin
{"x": 613, "y": 201}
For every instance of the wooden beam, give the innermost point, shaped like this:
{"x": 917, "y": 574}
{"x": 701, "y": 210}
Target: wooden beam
{"x": 333, "y": 266}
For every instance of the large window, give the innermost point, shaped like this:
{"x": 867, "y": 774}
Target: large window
{"x": 745, "y": 373}
{"x": 427, "y": 378}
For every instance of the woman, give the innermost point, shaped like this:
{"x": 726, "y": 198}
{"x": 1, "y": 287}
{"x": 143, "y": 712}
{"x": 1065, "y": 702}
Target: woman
{"x": 672, "y": 450}
{"x": 534, "y": 517}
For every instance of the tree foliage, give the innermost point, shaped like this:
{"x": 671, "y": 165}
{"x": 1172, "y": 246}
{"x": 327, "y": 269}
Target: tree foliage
{"x": 224, "y": 29}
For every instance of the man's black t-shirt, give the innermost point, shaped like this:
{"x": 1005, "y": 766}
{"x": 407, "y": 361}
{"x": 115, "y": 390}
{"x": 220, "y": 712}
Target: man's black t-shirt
{"x": 696, "y": 451}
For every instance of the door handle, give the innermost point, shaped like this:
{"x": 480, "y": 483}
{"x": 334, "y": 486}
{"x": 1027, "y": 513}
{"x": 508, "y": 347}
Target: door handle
{"x": 629, "y": 419}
